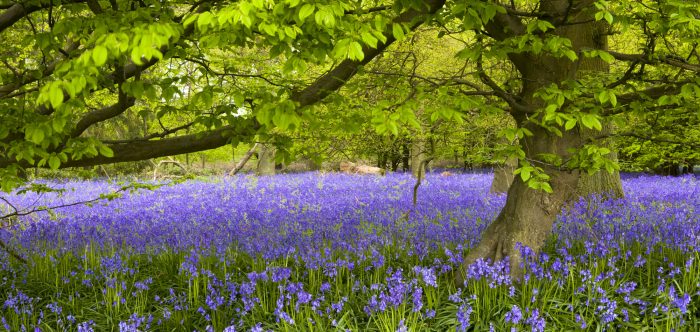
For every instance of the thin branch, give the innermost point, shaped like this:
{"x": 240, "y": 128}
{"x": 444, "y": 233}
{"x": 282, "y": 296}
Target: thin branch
{"x": 162, "y": 134}
{"x": 212, "y": 71}
{"x": 368, "y": 10}
{"x": 669, "y": 60}
{"x": 96, "y": 116}
{"x": 498, "y": 91}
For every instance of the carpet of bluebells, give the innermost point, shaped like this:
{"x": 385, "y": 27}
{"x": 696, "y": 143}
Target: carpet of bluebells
{"x": 332, "y": 252}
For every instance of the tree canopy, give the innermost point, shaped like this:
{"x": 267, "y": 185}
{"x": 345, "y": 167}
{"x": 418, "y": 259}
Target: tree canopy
{"x": 203, "y": 74}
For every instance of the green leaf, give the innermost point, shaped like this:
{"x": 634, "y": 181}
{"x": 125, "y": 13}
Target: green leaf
{"x": 599, "y": 16}
{"x": 613, "y": 99}
{"x": 571, "y": 55}
{"x": 525, "y": 174}
{"x": 99, "y": 55}
{"x": 607, "y": 57}
{"x": 608, "y": 17}
{"x": 58, "y": 124}
{"x": 355, "y": 51}
{"x": 189, "y": 20}
{"x": 289, "y": 31}
{"x": 591, "y": 121}
{"x": 136, "y": 56}
{"x": 204, "y": 20}
{"x": 570, "y": 124}
{"x": 397, "y": 30}
{"x": 546, "y": 187}
{"x": 55, "y": 95}
{"x": 369, "y": 39}
{"x": 106, "y": 151}
{"x": 54, "y": 162}
{"x": 393, "y": 127}
{"x": 306, "y": 11}
{"x": 37, "y": 136}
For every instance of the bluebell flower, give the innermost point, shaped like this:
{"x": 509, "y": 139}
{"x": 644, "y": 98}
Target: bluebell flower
{"x": 536, "y": 322}
{"x": 402, "y": 327}
{"x": 463, "y": 313}
{"x": 417, "y": 299}
{"x": 514, "y": 315}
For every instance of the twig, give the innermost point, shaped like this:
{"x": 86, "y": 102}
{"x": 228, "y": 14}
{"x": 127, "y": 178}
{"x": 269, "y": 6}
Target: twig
{"x": 18, "y": 213}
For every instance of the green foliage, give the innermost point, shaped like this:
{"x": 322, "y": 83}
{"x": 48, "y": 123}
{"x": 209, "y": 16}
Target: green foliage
{"x": 87, "y": 85}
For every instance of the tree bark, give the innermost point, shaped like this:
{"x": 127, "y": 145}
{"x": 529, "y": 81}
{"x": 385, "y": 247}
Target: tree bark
{"x": 266, "y": 160}
{"x": 608, "y": 185}
{"x": 528, "y": 214}
{"x": 503, "y": 176}
{"x": 405, "y": 155}
{"x": 419, "y": 153}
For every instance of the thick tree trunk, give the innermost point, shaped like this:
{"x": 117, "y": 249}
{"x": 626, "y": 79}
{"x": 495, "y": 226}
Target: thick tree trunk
{"x": 419, "y": 152}
{"x": 266, "y": 160}
{"x": 503, "y": 176}
{"x": 528, "y": 214}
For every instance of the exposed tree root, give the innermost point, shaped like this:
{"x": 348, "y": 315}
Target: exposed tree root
{"x": 501, "y": 240}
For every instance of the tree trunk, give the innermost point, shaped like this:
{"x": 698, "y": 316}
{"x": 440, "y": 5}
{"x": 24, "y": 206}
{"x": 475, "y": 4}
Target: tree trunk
{"x": 503, "y": 176}
{"x": 381, "y": 160}
{"x": 405, "y": 156}
{"x": 609, "y": 185}
{"x": 528, "y": 215}
{"x": 419, "y": 153}
{"x": 266, "y": 160}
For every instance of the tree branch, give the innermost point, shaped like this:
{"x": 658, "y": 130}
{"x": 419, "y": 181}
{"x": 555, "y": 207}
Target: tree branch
{"x": 669, "y": 60}
{"x": 17, "y": 11}
{"x": 498, "y": 91}
{"x": 337, "y": 77}
{"x": 245, "y": 128}
{"x": 103, "y": 114}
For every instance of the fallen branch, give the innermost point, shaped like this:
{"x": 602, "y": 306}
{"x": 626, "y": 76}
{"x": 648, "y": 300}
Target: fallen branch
{"x": 243, "y": 161}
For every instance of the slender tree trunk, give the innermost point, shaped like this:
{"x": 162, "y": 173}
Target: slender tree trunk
{"x": 266, "y": 160}
{"x": 405, "y": 156}
{"x": 419, "y": 153}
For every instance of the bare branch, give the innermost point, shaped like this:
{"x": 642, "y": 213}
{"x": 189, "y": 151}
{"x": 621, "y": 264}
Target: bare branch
{"x": 243, "y": 161}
